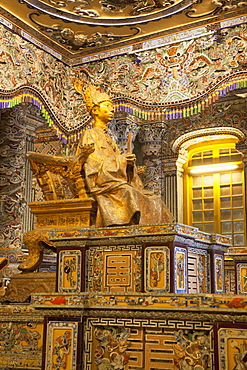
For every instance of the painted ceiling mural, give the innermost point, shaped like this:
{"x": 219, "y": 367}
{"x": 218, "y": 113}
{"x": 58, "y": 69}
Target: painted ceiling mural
{"x": 75, "y": 28}
{"x": 173, "y": 81}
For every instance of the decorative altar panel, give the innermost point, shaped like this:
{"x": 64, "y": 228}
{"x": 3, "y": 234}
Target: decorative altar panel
{"x": 136, "y": 344}
{"x": 232, "y": 346}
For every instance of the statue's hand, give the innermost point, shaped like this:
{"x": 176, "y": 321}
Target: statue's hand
{"x": 131, "y": 158}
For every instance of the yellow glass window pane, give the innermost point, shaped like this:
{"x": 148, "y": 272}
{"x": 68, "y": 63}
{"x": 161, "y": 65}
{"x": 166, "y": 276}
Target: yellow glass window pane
{"x": 208, "y": 180}
{"x": 237, "y": 201}
{"x": 225, "y": 214}
{"x": 197, "y": 181}
{"x": 224, "y": 151}
{"x": 225, "y": 190}
{"x": 219, "y": 192}
{"x": 236, "y": 189}
{"x": 225, "y": 159}
{"x": 196, "y": 155}
{"x": 238, "y": 226}
{"x": 209, "y": 215}
{"x": 236, "y": 157}
{"x": 208, "y": 192}
{"x": 225, "y": 202}
{"x": 207, "y": 153}
{"x": 237, "y": 177}
{"x": 238, "y": 214}
{"x": 198, "y": 225}
{"x": 197, "y": 205}
{"x": 196, "y": 162}
{"x": 197, "y": 216}
{"x": 207, "y": 160}
{"x": 209, "y": 203}
{"x": 197, "y": 193}
{"x": 209, "y": 228}
{"x": 238, "y": 239}
{"x": 226, "y": 227}
{"x": 225, "y": 178}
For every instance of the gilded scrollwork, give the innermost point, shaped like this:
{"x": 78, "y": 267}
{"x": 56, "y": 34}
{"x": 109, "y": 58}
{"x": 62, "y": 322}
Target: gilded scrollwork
{"x": 79, "y": 40}
{"x": 35, "y": 241}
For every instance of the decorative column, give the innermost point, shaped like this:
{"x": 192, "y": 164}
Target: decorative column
{"x": 123, "y": 125}
{"x": 151, "y": 140}
{"x": 27, "y": 216}
{"x": 31, "y": 119}
{"x": 12, "y": 176}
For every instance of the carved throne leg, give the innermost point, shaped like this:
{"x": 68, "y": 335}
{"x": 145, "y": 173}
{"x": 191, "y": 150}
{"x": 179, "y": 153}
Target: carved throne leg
{"x": 35, "y": 241}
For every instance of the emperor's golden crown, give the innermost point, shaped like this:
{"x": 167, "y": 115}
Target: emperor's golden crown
{"x": 92, "y": 95}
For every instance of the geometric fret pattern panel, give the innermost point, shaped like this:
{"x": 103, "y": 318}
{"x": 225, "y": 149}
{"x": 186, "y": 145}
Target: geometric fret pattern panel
{"x": 151, "y": 349}
{"x": 114, "y": 269}
{"x": 137, "y": 344}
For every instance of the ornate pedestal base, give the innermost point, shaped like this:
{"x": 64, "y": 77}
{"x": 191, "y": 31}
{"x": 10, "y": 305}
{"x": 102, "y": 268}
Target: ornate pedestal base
{"x": 63, "y": 213}
{"x": 23, "y": 285}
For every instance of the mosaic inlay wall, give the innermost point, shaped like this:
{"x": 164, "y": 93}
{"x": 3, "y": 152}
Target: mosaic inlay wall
{"x": 169, "y": 76}
{"x": 21, "y": 345}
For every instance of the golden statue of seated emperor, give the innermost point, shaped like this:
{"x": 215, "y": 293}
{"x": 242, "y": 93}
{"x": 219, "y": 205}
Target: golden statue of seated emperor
{"x": 111, "y": 177}
{"x": 98, "y": 174}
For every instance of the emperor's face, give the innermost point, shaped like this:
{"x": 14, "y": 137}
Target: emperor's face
{"x": 104, "y": 111}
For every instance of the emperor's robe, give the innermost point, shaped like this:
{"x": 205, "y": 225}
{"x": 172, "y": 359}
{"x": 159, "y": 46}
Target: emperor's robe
{"x": 120, "y": 200}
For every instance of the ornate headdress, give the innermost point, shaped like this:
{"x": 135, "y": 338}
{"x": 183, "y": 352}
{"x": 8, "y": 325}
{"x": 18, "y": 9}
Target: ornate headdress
{"x": 92, "y": 95}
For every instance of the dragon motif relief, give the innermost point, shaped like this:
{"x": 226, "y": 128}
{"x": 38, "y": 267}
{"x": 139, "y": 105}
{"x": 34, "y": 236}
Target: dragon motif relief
{"x": 110, "y": 352}
{"x": 192, "y": 351}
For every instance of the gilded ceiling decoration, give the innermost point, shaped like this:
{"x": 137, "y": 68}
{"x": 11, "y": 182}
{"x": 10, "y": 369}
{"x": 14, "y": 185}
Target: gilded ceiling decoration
{"x": 71, "y": 29}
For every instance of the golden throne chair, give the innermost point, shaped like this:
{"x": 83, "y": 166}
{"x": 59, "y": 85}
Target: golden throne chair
{"x": 55, "y": 211}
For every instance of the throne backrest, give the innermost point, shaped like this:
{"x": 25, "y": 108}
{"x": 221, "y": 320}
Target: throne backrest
{"x": 51, "y": 171}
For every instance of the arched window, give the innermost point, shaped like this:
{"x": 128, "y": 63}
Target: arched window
{"x": 214, "y": 189}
